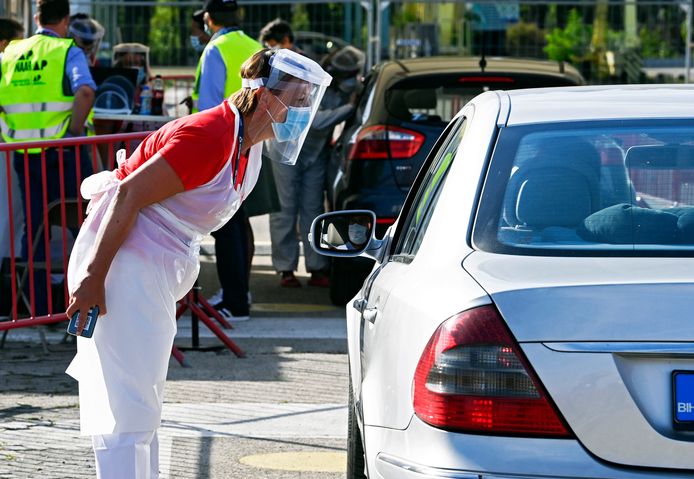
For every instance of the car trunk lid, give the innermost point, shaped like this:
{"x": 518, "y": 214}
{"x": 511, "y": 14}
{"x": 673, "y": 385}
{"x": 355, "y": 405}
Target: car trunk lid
{"x": 605, "y": 336}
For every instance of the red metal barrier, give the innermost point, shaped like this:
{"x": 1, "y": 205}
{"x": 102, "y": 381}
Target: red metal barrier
{"x": 48, "y": 173}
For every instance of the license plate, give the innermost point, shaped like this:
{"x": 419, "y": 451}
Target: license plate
{"x": 683, "y": 399}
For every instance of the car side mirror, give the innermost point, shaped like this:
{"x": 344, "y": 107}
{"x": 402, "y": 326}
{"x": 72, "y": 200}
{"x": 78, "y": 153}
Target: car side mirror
{"x": 345, "y": 234}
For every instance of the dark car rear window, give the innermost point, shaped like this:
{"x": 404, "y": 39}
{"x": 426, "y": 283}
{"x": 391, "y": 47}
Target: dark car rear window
{"x": 437, "y": 98}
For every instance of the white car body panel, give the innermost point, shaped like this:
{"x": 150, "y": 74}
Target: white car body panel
{"x": 647, "y": 297}
{"x": 541, "y": 105}
{"x": 614, "y": 399}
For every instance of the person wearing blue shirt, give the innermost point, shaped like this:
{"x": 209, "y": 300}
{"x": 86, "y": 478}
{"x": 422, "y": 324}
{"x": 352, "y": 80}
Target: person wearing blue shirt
{"x": 52, "y": 19}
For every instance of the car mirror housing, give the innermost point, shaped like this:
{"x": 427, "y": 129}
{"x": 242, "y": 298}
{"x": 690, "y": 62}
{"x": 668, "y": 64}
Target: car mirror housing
{"x": 346, "y": 234}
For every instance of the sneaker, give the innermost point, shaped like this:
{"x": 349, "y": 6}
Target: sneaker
{"x": 319, "y": 279}
{"x": 226, "y": 314}
{"x": 216, "y": 298}
{"x": 288, "y": 280}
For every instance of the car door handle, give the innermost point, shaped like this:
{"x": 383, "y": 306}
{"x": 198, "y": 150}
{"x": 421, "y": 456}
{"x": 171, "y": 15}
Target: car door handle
{"x": 369, "y": 314}
{"x": 359, "y": 304}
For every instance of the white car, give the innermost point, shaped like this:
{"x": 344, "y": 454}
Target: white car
{"x": 531, "y": 313}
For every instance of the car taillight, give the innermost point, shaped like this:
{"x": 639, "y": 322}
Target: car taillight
{"x": 376, "y": 142}
{"x": 473, "y": 377}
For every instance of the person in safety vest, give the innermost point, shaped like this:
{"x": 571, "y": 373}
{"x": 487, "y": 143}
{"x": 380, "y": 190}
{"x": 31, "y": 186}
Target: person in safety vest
{"x": 136, "y": 253}
{"x": 10, "y": 29}
{"x": 217, "y": 74}
{"x": 46, "y": 92}
{"x": 216, "y": 78}
{"x": 87, "y": 34}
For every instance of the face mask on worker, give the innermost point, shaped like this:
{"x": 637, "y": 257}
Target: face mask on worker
{"x": 298, "y": 119}
{"x": 357, "y": 234}
{"x": 196, "y": 44}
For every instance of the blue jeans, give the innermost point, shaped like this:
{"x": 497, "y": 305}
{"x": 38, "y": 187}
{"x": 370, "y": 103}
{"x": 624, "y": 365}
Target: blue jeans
{"x": 35, "y": 185}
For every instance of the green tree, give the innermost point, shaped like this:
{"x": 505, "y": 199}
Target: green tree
{"x": 164, "y": 39}
{"x": 300, "y": 19}
{"x": 571, "y": 42}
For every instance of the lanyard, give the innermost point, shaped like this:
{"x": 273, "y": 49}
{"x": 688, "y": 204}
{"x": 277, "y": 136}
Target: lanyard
{"x": 238, "y": 150}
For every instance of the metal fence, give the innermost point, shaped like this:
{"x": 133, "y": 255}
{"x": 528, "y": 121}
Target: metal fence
{"x": 606, "y": 39}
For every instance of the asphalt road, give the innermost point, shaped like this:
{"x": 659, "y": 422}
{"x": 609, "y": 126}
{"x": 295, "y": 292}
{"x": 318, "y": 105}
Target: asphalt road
{"x": 278, "y": 413}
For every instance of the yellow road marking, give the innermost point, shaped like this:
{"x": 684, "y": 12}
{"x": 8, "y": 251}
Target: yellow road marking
{"x": 299, "y": 461}
{"x": 291, "y": 308}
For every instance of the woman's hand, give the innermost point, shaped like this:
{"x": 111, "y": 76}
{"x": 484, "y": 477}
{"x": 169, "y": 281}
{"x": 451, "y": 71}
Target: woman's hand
{"x": 89, "y": 292}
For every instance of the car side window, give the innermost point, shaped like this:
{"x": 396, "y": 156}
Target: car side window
{"x": 420, "y": 212}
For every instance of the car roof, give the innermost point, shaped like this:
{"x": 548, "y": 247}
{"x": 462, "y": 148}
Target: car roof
{"x": 586, "y": 103}
{"x": 445, "y": 64}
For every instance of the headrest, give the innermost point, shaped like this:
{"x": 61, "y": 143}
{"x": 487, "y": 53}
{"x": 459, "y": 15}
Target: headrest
{"x": 420, "y": 99}
{"x": 553, "y": 197}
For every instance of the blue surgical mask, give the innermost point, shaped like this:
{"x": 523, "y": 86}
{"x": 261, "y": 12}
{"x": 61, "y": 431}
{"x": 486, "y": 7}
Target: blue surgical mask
{"x": 196, "y": 44}
{"x": 298, "y": 119}
{"x": 208, "y": 30}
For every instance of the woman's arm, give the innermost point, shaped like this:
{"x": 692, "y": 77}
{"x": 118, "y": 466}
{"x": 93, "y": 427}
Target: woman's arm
{"x": 154, "y": 181}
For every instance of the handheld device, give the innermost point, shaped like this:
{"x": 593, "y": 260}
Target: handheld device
{"x": 88, "y": 330}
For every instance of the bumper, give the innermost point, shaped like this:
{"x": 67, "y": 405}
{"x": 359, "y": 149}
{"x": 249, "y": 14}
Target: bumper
{"x": 390, "y": 466}
{"x": 424, "y": 452}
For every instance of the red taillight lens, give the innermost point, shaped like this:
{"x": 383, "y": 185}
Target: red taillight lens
{"x": 375, "y": 143}
{"x": 473, "y": 377}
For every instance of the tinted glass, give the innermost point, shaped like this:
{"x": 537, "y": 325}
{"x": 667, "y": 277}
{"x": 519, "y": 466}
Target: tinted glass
{"x": 592, "y": 188}
{"x": 438, "y": 98}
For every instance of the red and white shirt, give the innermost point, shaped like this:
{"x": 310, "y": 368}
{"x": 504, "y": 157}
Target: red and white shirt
{"x": 197, "y": 147}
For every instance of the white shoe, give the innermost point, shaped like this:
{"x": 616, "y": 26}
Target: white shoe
{"x": 226, "y": 314}
{"x": 216, "y": 298}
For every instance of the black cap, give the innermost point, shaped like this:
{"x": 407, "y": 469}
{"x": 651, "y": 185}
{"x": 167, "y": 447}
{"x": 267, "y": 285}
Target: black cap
{"x": 220, "y": 6}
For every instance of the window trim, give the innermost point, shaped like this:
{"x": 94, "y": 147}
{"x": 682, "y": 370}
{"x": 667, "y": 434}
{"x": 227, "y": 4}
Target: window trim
{"x": 413, "y": 195}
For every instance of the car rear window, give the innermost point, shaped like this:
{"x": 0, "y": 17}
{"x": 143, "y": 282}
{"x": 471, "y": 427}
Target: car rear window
{"x": 437, "y": 98}
{"x": 592, "y": 188}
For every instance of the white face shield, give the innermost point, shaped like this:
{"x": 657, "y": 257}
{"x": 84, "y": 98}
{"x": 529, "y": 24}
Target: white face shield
{"x": 295, "y": 86}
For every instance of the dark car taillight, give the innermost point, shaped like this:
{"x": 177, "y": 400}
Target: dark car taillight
{"x": 376, "y": 142}
{"x": 473, "y": 377}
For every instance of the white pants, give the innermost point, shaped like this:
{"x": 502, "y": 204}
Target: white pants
{"x": 132, "y": 455}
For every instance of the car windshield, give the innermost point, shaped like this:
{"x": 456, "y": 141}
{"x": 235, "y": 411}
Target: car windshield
{"x": 607, "y": 188}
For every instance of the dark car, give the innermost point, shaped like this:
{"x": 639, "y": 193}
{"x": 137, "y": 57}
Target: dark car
{"x": 317, "y": 45}
{"x": 404, "y": 108}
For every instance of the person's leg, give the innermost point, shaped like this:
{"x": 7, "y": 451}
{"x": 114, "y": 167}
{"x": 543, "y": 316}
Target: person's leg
{"x": 126, "y": 455}
{"x": 231, "y": 250}
{"x": 311, "y": 205}
{"x": 285, "y": 245}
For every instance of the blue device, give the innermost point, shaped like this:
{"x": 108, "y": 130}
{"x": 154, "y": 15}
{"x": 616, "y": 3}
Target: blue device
{"x": 88, "y": 330}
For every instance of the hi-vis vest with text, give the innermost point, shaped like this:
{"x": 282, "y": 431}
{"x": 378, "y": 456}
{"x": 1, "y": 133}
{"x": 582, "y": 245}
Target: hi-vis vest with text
{"x": 34, "y": 104}
{"x": 235, "y": 47}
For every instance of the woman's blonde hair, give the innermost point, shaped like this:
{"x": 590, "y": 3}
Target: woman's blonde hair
{"x": 258, "y": 66}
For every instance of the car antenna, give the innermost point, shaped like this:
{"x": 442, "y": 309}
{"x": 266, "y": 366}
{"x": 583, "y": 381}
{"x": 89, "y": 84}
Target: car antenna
{"x": 483, "y": 61}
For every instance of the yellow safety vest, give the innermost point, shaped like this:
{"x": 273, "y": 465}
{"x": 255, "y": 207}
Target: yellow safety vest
{"x": 235, "y": 47}
{"x": 34, "y": 104}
